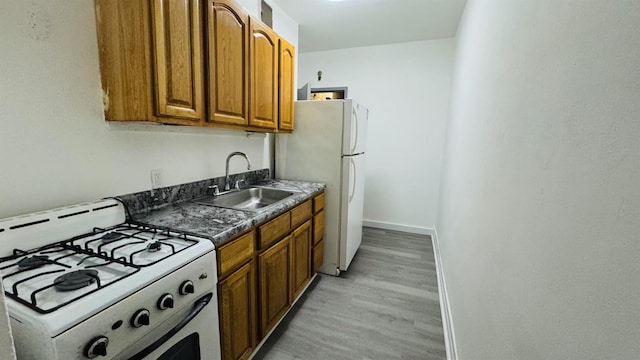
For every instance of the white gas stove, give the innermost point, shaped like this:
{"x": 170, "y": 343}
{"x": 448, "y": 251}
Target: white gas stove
{"x": 82, "y": 282}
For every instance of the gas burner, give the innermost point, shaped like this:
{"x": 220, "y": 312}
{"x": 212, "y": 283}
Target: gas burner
{"x": 111, "y": 237}
{"x": 154, "y": 246}
{"x": 32, "y": 262}
{"x": 75, "y": 280}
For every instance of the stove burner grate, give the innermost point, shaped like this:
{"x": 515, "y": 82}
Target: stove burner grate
{"x": 76, "y": 280}
{"x": 128, "y": 234}
{"x": 111, "y": 237}
{"x": 33, "y": 262}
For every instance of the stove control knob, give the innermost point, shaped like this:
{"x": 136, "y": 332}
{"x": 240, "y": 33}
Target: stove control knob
{"x": 96, "y": 347}
{"x": 140, "y": 318}
{"x": 165, "y": 302}
{"x": 187, "y": 288}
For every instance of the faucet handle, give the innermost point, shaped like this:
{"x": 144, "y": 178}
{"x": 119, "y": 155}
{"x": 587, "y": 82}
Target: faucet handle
{"x": 216, "y": 190}
{"x": 241, "y": 181}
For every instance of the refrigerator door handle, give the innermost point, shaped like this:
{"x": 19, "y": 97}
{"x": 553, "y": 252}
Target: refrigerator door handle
{"x": 355, "y": 129}
{"x": 352, "y": 192}
{"x": 351, "y": 155}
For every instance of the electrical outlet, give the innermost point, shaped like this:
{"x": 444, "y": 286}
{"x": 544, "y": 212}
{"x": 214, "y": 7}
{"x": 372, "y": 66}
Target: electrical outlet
{"x": 156, "y": 178}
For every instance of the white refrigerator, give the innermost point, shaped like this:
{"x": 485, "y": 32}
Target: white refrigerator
{"x": 328, "y": 145}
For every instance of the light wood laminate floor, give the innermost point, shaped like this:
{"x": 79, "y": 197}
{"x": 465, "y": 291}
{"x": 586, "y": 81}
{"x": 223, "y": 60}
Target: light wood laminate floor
{"x": 385, "y": 307}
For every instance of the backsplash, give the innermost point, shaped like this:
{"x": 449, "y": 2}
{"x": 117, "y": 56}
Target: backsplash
{"x": 146, "y": 201}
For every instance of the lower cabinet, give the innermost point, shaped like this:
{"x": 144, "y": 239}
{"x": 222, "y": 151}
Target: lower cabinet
{"x": 317, "y": 252}
{"x": 318, "y": 226}
{"x": 261, "y": 274}
{"x": 318, "y": 256}
{"x": 274, "y": 268}
{"x": 237, "y": 298}
{"x": 300, "y": 258}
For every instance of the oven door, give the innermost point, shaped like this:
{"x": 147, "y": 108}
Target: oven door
{"x": 192, "y": 334}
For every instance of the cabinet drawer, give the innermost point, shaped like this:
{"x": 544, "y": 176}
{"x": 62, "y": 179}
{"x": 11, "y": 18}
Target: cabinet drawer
{"x": 318, "y": 227}
{"x": 274, "y": 230}
{"x": 300, "y": 214}
{"x": 235, "y": 253}
{"x": 318, "y": 257}
{"x": 318, "y": 203}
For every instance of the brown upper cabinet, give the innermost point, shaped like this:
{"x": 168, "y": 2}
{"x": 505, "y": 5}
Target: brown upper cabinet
{"x": 125, "y": 68}
{"x": 228, "y": 62}
{"x": 264, "y": 75}
{"x": 193, "y": 62}
{"x": 286, "y": 73}
{"x": 177, "y": 59}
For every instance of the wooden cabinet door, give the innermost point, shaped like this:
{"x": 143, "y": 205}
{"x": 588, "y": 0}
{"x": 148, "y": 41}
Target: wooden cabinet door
{"x": 318, "y": 227}
{"x": 274, "y": 270}
{"x": 124, "y": 46}
{"x": 286, "y": 74}
{"x": 228, "y": 60}
{"x": 318, "y": 256}
{"x": 263, "y": 50}
{"x": 238, "y": 313}
{"x": 300, "y": 258}
{"x": 177, "y": 44}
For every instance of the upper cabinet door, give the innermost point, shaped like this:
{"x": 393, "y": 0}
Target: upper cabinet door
{"x": 228, "y": 60}
{"x": 287, "y": 71}
{"x": 177, "y": 37}
{"x": 264, "y": 76}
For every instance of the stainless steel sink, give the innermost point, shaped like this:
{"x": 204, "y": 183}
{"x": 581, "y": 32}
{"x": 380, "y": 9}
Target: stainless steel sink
{"x": 251, "y": 199}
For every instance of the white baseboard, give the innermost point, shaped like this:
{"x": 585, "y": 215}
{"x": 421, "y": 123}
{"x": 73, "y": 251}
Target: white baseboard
{"x": 398, "y": 227}
{"x": 447, "y": 324}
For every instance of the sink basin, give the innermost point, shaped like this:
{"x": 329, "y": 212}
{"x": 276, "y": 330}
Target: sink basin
{"x": 251, "y": 199}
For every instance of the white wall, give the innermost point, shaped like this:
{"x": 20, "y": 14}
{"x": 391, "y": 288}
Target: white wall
{"x": 540, "y": 205}
{"x": 55, "y": 147}
{"x": 406, "y": 88}
{"x": 287, "y": 28}
{"x": 252, "y": 6}
{"x": 283, "y": 24}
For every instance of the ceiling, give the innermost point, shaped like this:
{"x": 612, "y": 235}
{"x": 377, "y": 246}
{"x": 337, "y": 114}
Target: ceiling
{"x": 331, "y": 24}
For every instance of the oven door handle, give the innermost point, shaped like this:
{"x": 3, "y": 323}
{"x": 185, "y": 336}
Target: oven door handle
{"x": 198, "y": 306}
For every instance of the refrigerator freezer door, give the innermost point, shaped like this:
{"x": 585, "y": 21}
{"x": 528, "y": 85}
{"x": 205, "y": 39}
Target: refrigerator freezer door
{"x": 312, "y": 152}
{"x": 352, "y": 203}
{"x": 355, "y": 127}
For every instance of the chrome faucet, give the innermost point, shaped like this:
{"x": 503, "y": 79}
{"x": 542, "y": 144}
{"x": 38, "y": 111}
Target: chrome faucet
{"x": 227, "y": 181}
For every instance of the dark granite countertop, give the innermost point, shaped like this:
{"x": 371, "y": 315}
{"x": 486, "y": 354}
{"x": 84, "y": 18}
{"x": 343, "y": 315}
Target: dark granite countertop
{"x": 220, "y": 224}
